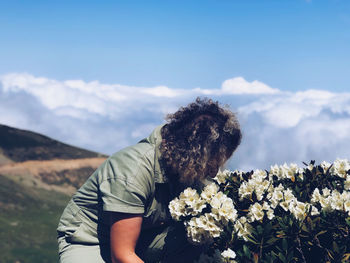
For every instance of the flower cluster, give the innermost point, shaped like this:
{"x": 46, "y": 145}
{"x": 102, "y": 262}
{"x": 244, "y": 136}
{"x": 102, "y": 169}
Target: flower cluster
{"x": 332, "y": 200}
{"x": 262, "y": 185}
{"x": 242, "y": 228}
{"x": 257, "y": 184}
{"x": 188, "y": 204}
{"x": 209, "y": 225}
{"x": 274, "y": 215}
{"x": 222, "y": 176}
{"x": 285, "y": 171}
{"x": 340, "y": 168}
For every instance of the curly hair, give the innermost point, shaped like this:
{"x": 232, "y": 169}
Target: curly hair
{"x": 197, "y": 140}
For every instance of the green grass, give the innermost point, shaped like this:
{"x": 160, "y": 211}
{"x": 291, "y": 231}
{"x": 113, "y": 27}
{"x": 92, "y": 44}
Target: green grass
{"x": 28, "y": 221}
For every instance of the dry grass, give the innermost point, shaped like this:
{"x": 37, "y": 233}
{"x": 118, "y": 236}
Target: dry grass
{"x": 60, "y": 175}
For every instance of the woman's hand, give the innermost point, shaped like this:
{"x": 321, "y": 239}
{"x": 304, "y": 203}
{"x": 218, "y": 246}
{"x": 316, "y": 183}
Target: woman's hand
{"x": 124, "y": 233}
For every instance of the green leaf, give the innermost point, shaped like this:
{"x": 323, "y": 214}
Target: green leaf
{"x": 252, "y": 240}
{"x": 282, "y": 257}
{"x": 246, "y": 251}
{"x": 285, "y": 244}
{"x": 304, "y": 228}
{"x": 335, "y": 247}
{"x": 271, "y": 240}
{"x": 321, "y": 232}
{"x": 290, "y": 222}
{"x": 347, "y": 220}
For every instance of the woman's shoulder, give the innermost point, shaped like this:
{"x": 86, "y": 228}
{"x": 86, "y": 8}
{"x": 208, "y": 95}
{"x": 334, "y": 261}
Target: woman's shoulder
{"x": 134, "y": 154}
{"x": 133, "y": 164}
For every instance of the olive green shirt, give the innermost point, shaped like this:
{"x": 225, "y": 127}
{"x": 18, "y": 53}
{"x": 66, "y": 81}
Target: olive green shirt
{"x": 129, "y": 181}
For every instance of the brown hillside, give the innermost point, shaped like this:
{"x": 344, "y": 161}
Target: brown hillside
{"x": 60, "y": 175}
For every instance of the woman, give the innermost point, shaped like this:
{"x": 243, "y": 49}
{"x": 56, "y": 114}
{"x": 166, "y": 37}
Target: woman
{"x": 121, "y": 212}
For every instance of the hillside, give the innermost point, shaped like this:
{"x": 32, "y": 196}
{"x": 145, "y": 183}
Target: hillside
{"x": 28, "y": 221}
{"x": 22, "y": 145}
{"x": 38, "y": 175}
{"x": 39, "y": 161}
{"x": 64, "y": 176}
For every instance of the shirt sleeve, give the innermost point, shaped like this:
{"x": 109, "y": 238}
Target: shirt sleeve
{"x": 123, "y": 190}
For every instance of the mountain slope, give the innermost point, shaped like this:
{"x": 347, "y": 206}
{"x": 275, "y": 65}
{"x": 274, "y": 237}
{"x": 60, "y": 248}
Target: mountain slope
{"x": 64, "y": 176}
{"x": 22, "y": 145}
{"x": 28, "y": 222}
{"x": 38, "y": 175}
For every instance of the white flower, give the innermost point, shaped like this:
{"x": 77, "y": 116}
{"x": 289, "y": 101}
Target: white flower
{"x": 259, "y": 184}
{"x": 326, "y": 192}
{"x": 242, "y": 227}
{"x": 203, "y": 229}
{"x": 299, "y": 209}
{"x": 275, "y": 170}
{"x": 314, "y": 211}
{"x": 276, "y": 197}
{"x": 285, "y": 171}
{"x": 256, "y": 212}
{"x": 337, "y": 201}
{"x": 325, "y": 165}
{"x": 189, "y": 194}
{"x": 259, "y": 175}
{"x": 325, "y": 203}
{"x": 209, "y": 191}
{"x": 221, "y": 176}
{"x": 316, "y": 196}
{"x": 245, "y": 190}
{"x": 284, "y": 205}
{"x": 292, "y": 171}
{"x": 332, "y": 200}
{"x": 270, "y": 214}
{"x": 227, "y": 211}
{"x": 340, "y": 168}
{"x": 310, "y": 167}
{"x": 347, "y": 206}
{"x": 228, "y": 253}
{"x": 223, "y": 208}
{"x": 347, "y": 183}
{"x": 177, "y": 209}
{"x": 288, "y": 195}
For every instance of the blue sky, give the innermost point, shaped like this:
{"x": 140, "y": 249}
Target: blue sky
{"x": 290, "y": 45}
{"x": 102, "y": 74}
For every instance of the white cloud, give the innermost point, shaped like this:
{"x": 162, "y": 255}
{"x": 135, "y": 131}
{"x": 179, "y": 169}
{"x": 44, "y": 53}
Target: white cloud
{"x": 277, "y": 126}
{"x": 239, "y": 86}
{"x": 287, "y": 109}
{"x": 94, "y": 97}
{"x": 162, "y": 91}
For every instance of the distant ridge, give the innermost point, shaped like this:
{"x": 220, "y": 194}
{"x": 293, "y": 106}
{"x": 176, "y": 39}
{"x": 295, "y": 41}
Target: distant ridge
{"x": 21, "y": 145}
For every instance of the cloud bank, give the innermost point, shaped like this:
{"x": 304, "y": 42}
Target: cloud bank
{"x": 277, "y": 126}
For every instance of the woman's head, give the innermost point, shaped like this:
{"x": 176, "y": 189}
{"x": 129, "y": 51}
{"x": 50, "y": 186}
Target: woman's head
{"x": 198, "y": 139}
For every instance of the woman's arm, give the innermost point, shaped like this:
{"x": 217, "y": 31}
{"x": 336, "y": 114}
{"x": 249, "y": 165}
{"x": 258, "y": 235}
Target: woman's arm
{"x": 125, "y": 230}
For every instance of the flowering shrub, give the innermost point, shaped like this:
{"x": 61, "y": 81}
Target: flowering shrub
{"x": 287, "y": 214}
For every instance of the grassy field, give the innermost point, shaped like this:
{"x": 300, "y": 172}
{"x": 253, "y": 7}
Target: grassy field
{"x": 28, "y": 221}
